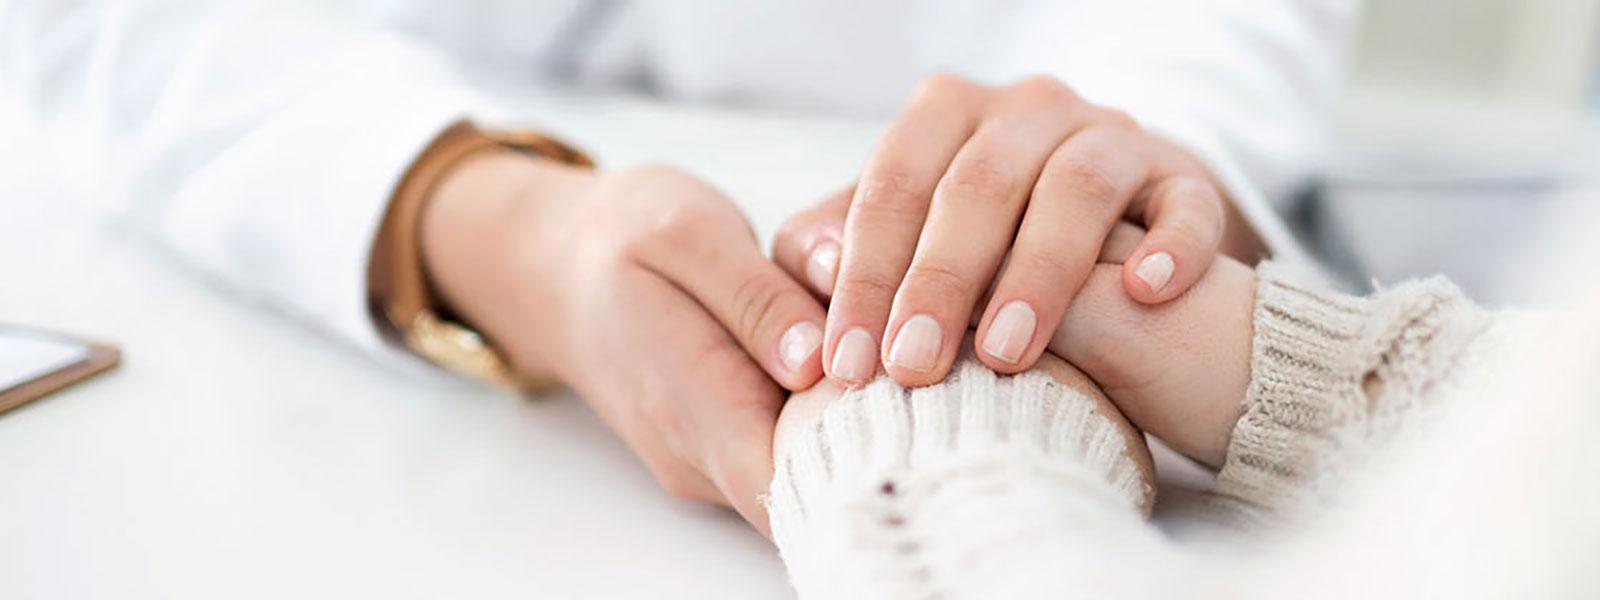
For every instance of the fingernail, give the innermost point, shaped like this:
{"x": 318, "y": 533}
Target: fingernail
{"x": 798, "y": 343}
{"x": 1011, "y": 331}
{"x": 822, "y": 266}
{"x": 1155, "y": 270}
{"x": 917, "y": 345}
{"x": 856, "y": 358}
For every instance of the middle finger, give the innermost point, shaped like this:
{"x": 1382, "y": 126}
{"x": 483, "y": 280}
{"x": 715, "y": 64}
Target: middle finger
{"x": 885, "y": 217}
{"x": 969, "y": 228}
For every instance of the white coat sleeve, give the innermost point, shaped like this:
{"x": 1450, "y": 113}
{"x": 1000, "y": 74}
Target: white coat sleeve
{"x": 1244, "y": 85}
{"x": 257, "y": 141}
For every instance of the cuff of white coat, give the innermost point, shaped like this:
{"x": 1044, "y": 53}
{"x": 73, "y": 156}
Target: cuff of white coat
{"x": 289, "y": 213}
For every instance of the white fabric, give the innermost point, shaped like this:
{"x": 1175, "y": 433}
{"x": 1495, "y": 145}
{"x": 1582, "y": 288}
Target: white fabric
{"x": 949, "y": 490}
{"x": 259, "y": 140}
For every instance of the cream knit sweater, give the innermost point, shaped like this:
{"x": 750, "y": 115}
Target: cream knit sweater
{"x": 987, "y": 486}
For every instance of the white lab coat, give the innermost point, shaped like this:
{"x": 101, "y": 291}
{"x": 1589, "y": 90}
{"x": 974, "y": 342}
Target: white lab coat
{"x": 260, "y": 140}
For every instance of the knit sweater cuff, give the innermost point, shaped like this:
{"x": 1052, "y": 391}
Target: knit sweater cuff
{"x": 903, "y": 487}
{"x": 1331, "y": 376}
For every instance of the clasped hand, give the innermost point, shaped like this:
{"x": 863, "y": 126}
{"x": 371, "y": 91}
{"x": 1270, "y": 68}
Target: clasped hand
{"x": 646, "y": 291}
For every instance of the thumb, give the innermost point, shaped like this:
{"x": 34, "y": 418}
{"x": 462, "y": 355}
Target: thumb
{"x": 772, "y": 317}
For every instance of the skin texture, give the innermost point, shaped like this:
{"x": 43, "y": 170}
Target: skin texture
{"x": 645, "y": 291}
{"x": 968, "y": 175}
{"x": 1178, "y": 370}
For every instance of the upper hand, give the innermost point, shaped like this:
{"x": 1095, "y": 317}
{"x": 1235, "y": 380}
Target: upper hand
{"x": 968, "y": 175}
{"x": 645, "y": 291}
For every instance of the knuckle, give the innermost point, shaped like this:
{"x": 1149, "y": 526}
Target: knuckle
{"x": 1086, "y": 177}
{"x": 1187, "y": 235}
{"x": 678, "y": 223}
{"x": 1049, "y": 266}
{"x": 865, "y": 285}
{"x": 1194, "y": 206}
{"x": 651, "y": 180}
{"x": 650, "y": 171}
{"x": 1117, "y": 118}
{"x": 756, "y": 302}
{"x": 1044, "y": 89}
{"x": 894, "y": 190}
{"x": 940, "y": 280}
{"x": 979, "y": 179}
{"x": 939, "y": 84}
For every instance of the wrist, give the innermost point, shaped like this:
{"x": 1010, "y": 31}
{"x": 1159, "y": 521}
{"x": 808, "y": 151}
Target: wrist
{"x": 487, "y": 242}
{"x": 1177, "y": 370}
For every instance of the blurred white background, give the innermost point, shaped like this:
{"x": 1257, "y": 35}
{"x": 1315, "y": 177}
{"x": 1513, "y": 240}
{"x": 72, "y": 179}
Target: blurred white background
{"x": 1465, "y": 123}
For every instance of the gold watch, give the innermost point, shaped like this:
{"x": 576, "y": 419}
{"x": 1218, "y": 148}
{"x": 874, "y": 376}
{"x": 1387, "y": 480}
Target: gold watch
{"x": 400, "y": 296}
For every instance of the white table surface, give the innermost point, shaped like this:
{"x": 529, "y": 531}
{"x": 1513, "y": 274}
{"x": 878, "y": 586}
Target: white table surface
{"x": 238, "y": 454}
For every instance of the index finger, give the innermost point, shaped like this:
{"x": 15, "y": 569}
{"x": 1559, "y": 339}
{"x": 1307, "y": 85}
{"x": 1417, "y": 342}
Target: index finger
{"x": 885, "y": 220}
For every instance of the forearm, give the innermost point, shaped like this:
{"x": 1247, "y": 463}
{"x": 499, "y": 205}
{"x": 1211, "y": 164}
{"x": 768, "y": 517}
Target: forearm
{"x": 1177, "y": 369}
{"x": 1335, "y": 377}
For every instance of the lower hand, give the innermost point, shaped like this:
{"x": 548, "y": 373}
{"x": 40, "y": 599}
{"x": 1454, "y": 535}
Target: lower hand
{"x": 646, "y": 292}
{"x": 1178, "y": 370}
{"x": 969, "y": 174}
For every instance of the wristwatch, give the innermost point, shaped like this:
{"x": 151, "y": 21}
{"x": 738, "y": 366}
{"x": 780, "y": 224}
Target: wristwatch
{"x": 400, "y": 296}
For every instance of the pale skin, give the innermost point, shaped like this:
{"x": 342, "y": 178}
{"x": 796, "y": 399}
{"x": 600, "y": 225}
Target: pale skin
{"x": 645, "y": 291}
{"x": 1176, "y": 370}
{"x": 968, "y": 175}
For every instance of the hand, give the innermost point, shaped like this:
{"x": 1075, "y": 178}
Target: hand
{"x": 646, "y": 292}
{"x": 968, "y": 174}
{"x": 1178, "y": 370}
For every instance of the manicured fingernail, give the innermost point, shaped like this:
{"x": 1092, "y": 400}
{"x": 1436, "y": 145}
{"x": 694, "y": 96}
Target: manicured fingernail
{"x": 822, "y": 266}
{"x": 1011, "y": 331}
{"x": 798, "y": 343}
{"x": 1155, "y": 270}
{"x": 917, "y": 345}
{"x": 856, "y": 358}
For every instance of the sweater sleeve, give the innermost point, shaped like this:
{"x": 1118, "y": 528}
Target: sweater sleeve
{"x": 959, "y": 489}
{"x": 1334, "y": 377}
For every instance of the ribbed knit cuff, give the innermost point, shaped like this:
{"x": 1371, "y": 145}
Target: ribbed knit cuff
{"x": 896, "y": 487}
{"x": 1331, "y": 376}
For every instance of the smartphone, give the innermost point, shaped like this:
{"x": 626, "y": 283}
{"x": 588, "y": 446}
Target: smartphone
{"x": 35, "y": 363}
